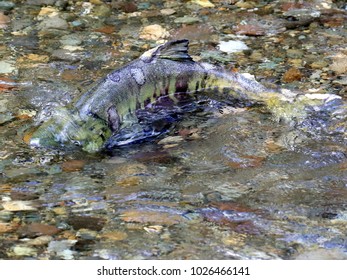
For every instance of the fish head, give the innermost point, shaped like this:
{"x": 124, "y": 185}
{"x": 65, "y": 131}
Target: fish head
{"x": 67, "y": 128}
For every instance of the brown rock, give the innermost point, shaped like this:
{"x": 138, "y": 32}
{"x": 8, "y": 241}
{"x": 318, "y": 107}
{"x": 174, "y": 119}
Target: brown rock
{"x": 290, "y": 6}
{"x": 8, "y": 227}
{"x": 92, "y": 223}
{"x": 6, "y": 84}
{"x": 128, "y": 7}
{"x": 73, "y": 165}
{"x": 37, "y": 229}
{"x": 293, "y": 74}
{"x": 107, "y": 29}
{"x": 150, "y": 217}
{"x": 129, "y": 182}
{"x": 250, "y": 29}
{"x": 246, "y": 161}
{"x": 115, "y": 235}
{"x": 16, "y": 195}
{"x": 194, "y": 32}
{"x": 4, "y": 20}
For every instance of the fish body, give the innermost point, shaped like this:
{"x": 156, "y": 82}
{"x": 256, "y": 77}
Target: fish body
{"x": 167, "y": 73}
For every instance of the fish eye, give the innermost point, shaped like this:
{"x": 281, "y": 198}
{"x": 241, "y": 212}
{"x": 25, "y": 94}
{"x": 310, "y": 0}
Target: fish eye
{"x": 114, "y": 77}
{"x": 77, "y": 143}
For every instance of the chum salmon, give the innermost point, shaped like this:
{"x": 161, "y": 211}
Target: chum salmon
{"x": 166, "y": 72}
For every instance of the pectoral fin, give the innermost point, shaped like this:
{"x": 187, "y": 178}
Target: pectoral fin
{"x": 113, "y": 119}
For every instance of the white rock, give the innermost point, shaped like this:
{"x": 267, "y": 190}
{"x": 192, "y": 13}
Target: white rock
{"x": 167, "y": 12}
{"x": 171, "y": 140}
{"x": 24, "y": 251}
{"x": 204, "y": 3}
{"x": 232, "y": 46}
{"x": 153, "y": 32}
{"x": 6, "y": 67}
{"x": 18, "y": 205}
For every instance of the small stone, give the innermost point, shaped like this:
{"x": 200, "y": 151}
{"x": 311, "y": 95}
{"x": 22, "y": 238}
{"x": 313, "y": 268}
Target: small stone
{"x": 235, "y": 239}
{"x": 27, "y": 42}
{"x": 31, "y": 57}
{"x": 54, "y": 22}
{"x": 6, "y": 5}
{"x": 20, "y": 250}
{"x": 18, "y": 205}
{"x": 294, "y": 53}
{"x": 167, "y": 12}
{"x": 96, "y": 2}
{"x": 195, "y": 32}
{"x": 204, "y": 3}
{"x": 293, "y": 74}
{"x": 296, "y": 62}
{"x": 144, "y": 217}
{"x": 157, "y": 229}
{"x": 272, "y": 147}
{"x": 171, "y": 140}
{"x": 70, "y": 40}
{"x": 245, "y": 4}
{"x": 59, "y": 210}
{"x": 37, "y": 229}
{"x": 62, "y": 248}
{"x": 319, "y": 64}
{"x": 102, "y": 11}
{"x": 128, "y": 7}
{"x": 257, "y": 56}
{"x": 236, "y": 161}
{"x": 316, "y": 75}
{"x": 4, "y": 20}
{"x": 6, "y": 83}
{"x": 73, "y": 165}
{"x": 7, "y": 67}
{"x": 322, "y": 254}
{"x": 7, "y": 227}
{"x": 129, "y": 182}
{"x": 131, "y": 169}
{"x": 6, "y": 216}
{"x": 153, "y": 32}
{"x": 46, "y": 11}
{"x": 115, "y": 235}
{"x": 339, "y": 65}
{"x": 250, "y": 29}
{"x": 107, "y": 29}
{"x": 232, "y": 46}
{"x": 86, "y": 234}
{"x": 40, "y": 241}
{"x": 41, "y": 2}
{"x": 187, "y": 20}
{"x": 92, "y": 223}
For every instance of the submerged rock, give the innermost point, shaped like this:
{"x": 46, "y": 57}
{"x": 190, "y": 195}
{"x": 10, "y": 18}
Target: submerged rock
{"x": 232, "y": 46}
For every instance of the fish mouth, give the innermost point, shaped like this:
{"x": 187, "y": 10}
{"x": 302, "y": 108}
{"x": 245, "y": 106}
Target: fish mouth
{"x": 66, "y": 129}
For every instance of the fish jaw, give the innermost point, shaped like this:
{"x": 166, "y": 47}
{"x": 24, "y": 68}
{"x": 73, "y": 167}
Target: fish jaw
{"x": 67, "y": 129}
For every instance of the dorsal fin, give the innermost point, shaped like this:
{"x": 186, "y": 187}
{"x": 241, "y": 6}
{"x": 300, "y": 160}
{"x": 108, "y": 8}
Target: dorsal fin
{"x": 175, "y": 50}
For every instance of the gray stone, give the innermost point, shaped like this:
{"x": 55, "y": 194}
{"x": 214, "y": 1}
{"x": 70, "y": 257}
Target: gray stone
{"x": 7, "y": 67}
{"x": 66, "y": 55}
{"x": 55, "y": 22}
{"x": 41, "y": 2}
{"x": 6, "y": 5}
{"x": 187, "y": 20}
{"x": 71, "y": 40}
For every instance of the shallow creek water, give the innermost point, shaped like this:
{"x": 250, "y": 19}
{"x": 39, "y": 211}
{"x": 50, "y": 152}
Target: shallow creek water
{"x": 230, "y": 183}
